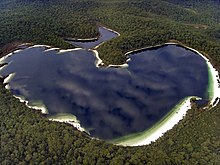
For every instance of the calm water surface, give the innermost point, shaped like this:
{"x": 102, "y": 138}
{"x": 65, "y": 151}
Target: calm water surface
{"x": 109, "y": 102}
{"x": 105, "y": 35}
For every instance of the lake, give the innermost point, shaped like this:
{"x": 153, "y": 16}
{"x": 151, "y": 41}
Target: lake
{"x": 109, "y": 102}
{"x": 105, "y": 35}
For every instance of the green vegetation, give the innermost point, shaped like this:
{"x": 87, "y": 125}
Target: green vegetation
{"x": 27, "y": 137}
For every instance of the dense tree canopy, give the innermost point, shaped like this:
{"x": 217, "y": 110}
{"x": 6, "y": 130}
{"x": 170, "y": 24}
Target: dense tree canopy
{"x": 27, "y": 137}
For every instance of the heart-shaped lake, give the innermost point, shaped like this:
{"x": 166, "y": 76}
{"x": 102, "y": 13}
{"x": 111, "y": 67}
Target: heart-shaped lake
{"x": 109, "y": 102}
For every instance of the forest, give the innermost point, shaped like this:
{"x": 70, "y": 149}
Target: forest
{"x": 28, "y": 137}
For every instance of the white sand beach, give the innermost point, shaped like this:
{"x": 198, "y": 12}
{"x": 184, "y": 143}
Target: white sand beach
{"x": 68, "y": 50}
{"x": 8, "y": 78}
{"x": 167, "y": 123}
{"x": 121, "y": 66}
{"x": 68, "y": 118}
{"x": 51, "y": 49}
{"x": 2, "y": 60}
{"x": 98, "y": 61}
{"x": 41, "y": 106}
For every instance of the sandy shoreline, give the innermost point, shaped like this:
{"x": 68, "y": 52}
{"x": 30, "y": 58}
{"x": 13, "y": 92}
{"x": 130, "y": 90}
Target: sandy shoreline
{"x": 4, "y": 57}
{"x": 121, "y": 66}
{"x": 98, "y": 61}
{"x": 8, "y": 78}
{"x": 51, "y": 49}
{"x": 41, "y": 107}
{"x": 68, "y": 118}
{"x": 156, "y": 131}
{"x": 68, "y": 50}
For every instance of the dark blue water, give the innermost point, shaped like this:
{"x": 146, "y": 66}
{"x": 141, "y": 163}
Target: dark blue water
{"x": 110, "y": 102}
{"x": 105, "y": 35}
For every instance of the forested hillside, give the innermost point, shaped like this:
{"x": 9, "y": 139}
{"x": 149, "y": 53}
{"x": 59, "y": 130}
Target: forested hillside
{"x": 27, "y": 137}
